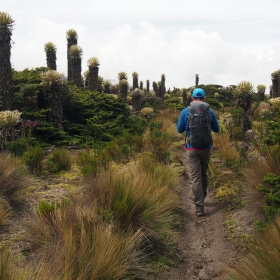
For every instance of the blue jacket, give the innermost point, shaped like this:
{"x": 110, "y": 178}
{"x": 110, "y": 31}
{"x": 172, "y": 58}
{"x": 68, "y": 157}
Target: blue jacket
{"x": 183, "y": 125}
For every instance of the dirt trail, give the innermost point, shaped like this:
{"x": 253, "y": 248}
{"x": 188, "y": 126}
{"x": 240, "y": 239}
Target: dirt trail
{"x": 204, "y": 249}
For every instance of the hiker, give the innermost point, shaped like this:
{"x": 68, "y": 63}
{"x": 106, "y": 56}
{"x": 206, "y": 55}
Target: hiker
{"x": 198, "y": 120}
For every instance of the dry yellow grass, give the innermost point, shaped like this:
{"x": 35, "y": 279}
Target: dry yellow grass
{"x": 263, "y": 260}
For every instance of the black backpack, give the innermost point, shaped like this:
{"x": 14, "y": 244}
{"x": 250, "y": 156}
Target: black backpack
{"x": 199, "y": 120}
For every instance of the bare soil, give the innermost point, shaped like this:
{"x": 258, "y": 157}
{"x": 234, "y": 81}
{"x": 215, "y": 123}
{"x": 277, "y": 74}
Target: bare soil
{"x": 204, "y": 249}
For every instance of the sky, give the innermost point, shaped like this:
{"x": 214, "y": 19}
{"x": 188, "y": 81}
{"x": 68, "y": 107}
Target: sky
{"x": 225, "y": 42}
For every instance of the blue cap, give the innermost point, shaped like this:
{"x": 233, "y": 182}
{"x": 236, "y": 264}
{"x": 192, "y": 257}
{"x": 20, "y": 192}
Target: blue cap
{"x": 198, "y": 93}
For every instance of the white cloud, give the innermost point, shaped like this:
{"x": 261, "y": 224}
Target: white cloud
{"x": 225, "y": 42}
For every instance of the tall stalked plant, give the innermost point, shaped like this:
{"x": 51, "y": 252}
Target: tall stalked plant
{"x": 93, "y": 68}
{"x": 244, "y": 97}
{"x": 72, "y": 39}
{"x": 53, "y": 83}
{"x": 148, "y": 85}
{"x": 163, "y": 89}
{"x": 135, "y": 80}
{"x": 6, "y": 80}
{"x": 107, "y": 86}
{"x": 275, "y": 76}
{"x": 141, "y": 85}
{"x": 196, "y": 80}
{"x": 123, "y": 89}
{"x": 159, "y": 89}
{"x": 85, "y": 78}
{"x": 75, "y": 53}
{"x": 100, "y": 82}
{"x": 155, "y": 88}
{"x": 50, "y": 50}
{"x": 261, "y": 90}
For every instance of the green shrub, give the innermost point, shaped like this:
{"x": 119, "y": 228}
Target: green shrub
{"x": 91, "y": 164}
{"x": 160, "y": 143}
{"x": 59, "y": 160}
{"x": 33, "y": 158}
{"x": 18, "y": 146}
{"x": 272, "y": 195}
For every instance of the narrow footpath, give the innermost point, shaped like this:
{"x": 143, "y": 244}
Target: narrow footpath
{"x": 203, "y": 247}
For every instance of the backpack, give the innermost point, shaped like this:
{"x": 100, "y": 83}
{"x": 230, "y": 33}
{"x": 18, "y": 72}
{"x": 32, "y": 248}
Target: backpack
{"x": 199, "y": 120}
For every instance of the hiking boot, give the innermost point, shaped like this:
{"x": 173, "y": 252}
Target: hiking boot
{"x": 200, "y": 213}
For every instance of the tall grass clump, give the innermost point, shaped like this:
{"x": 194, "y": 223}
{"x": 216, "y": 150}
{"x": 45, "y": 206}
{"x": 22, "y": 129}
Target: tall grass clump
{"x": 267, "y": 162}
{"x": 13, "y": 176}
{"x": 60, "y": 159}
{"x": 169, "y": 118}
{"x": 76, "y": 244}
{"x": 5, "y": 211}
{"x": 166, "y": 175}
{"x": 227, "y": 152}
{"x": 135, "y": 199}
{"x": 263, "y": 261}
{"x": 6, "y": 268}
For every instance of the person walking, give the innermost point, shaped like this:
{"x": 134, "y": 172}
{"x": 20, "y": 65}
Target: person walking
{"x": 198, "y": 120}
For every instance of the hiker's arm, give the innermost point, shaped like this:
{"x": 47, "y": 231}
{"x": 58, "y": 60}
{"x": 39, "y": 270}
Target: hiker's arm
{"x": 182, "y": 122}
{"x": 214, "y": 124}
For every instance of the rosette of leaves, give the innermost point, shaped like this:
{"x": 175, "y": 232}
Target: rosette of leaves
{"x": 147, "y": 112}
{"x": 122, "y": 76}
{"x": 244, "y": 95}
{"x": 9, "y": 118}
{"x": 8, "y": 121}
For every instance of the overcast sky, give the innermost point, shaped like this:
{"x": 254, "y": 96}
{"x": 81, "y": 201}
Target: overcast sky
{"x": 224, "y": 41}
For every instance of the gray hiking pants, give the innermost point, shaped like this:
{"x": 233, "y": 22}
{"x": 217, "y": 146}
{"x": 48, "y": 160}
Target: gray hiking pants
{"x": 198, "y": 163}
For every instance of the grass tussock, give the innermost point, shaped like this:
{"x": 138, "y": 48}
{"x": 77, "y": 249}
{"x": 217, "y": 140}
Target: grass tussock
{"x": 134, "y": 200}
{"x": 227, "y": 152}
{"x": 13, "y": 177}
{"x": 263, "y": 261}
{"x": 5, "y": 211}
{"x": 169, "y": 119}
{"x": 71, "y": 242}
{"x": 268, "y": 163}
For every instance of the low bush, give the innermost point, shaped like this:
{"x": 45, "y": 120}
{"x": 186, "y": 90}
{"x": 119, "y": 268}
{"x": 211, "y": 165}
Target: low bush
{"x": 18, "y": 146}
{"x": 33, "y": 158}
{"x": 60, "y": 159}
